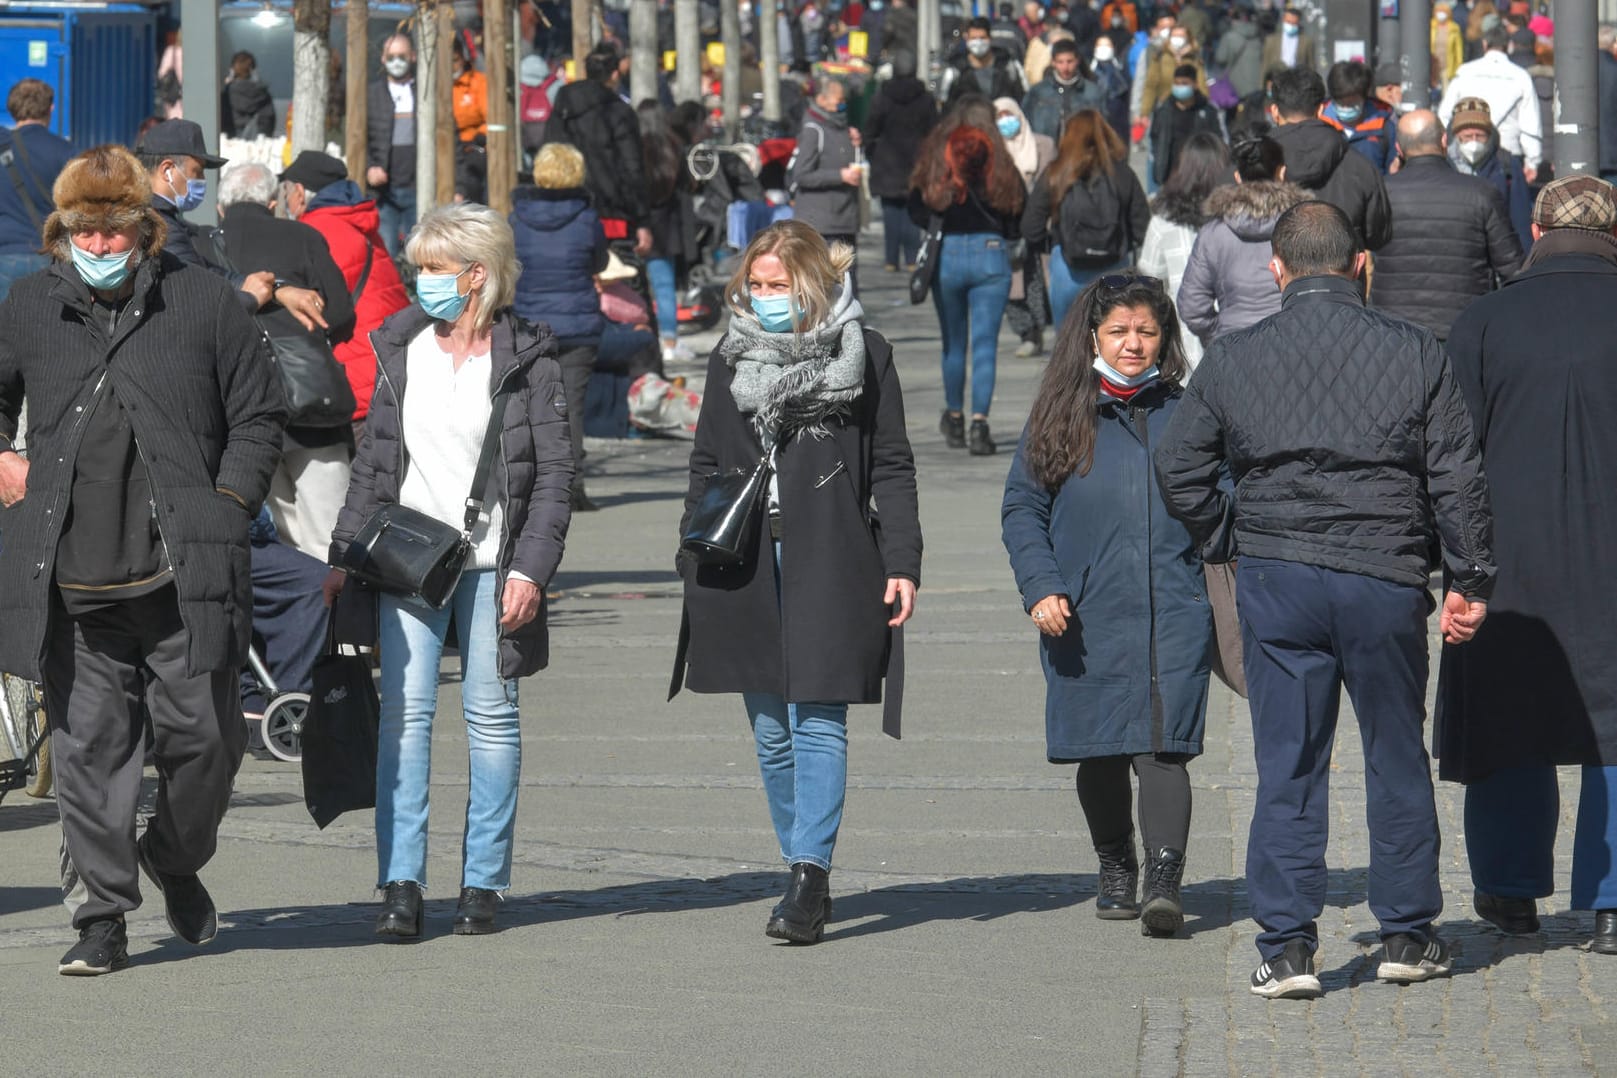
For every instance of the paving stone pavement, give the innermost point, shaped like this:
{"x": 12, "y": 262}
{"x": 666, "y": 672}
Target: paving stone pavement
{"x": 963, "y": 942}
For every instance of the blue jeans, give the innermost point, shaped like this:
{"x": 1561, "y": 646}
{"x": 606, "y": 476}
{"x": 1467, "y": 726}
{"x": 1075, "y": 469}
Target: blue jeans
{"x": 412, "y": 643}
{"x": 803, "y": 758}
{"x": 14, "y": 268}
{"x": 665, "y": 295}
{"x": 396, "y": 208}
{"x": 970, "y": 291}
{"x": 1510, "y": 824}
{"x": 901, "y": 237}
{"x": 1067, "y": 283}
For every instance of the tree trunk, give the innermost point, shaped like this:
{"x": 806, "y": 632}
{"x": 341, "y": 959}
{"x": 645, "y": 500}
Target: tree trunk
{"x": 643, "y": 50}
{"x": 355, "y": 119}
{"x": 311, "y": 73}
{"x": 499, "y": 65}
{"x": 769, "y": 57}
{"x": 446, "y": 103}
{"x": 583, "y": 12}
{"x": 688, "y": 46}
{"x": 730, "y": 34}
{"x": 426, "y": 106}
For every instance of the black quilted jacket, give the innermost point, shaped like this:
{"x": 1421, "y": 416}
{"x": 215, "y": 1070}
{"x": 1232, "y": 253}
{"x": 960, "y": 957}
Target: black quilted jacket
{"x": 1451, "y": 240}
{"x": 1348, "y": 440}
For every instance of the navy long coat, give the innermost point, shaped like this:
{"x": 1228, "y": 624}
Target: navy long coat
{"x": 1129, "y": 676}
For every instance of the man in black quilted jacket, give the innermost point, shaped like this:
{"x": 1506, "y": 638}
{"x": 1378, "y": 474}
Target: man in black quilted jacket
{"x": 1451, "y": 235}
{"x": 1319, "y": 159}
{"x": 1353, "y": 457}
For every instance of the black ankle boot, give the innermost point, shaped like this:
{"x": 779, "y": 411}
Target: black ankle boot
{"x": 400, "y": 918}
{"x": 953, "y": 426}
{"x": 1605, "y": 940}
{"x": 1119, "y": 881}
{"x": 981, "y": 444}
{"x": 475, "y": 914}
{"x": 802, "y": 914}
{"x": 1162, "y": 914}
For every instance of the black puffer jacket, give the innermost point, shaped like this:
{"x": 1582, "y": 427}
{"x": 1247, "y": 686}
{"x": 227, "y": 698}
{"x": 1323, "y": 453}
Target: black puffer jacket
{"x": 1319, "y": 159}
{"x": 533, "y": 474}
{"x": 606, "y": 131}
{"x": 1451, "y": 242}
{"x": 1347, "y": 438}
{"x": 903, "y": 112}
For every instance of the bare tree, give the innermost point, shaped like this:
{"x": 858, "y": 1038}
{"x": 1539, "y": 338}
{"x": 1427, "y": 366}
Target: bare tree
{"x": 730, "y": 34}
{"x": 502, "y": 168}
{"x": 769, "y": 57}
{"x": 427, "y": 70}
{"x": 643, "y": 50}
{"x": 583, "y": 37}
{"x": 445, "y": 93}
{"x": 311, "y": 73}
{"x": 688, "y": 46}
{"x": 355, "y": 118}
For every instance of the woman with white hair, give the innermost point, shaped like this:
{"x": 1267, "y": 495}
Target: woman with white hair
{"x": 441, "y": 366}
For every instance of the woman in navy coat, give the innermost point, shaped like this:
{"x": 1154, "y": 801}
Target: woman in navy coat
{"x": 1114, "y": 585}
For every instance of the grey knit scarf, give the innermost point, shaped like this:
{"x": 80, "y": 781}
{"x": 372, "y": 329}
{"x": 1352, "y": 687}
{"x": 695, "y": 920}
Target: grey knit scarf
{"x": 797, "y": 382}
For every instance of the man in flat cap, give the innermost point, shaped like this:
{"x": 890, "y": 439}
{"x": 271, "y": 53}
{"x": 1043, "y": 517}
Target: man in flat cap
{"x": 1537, "y": 688}
{"x": 154, "y": 425}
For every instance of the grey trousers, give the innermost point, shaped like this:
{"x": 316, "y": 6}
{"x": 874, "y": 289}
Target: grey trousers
{"x": 104, "y": 673}
{"x": 577, "y": 364}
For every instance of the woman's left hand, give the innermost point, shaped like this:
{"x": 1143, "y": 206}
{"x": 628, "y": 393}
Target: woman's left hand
{"x": 519, "y": 605}
{"x": 901, "y": 591}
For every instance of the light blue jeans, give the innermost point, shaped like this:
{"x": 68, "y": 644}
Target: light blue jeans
{"x": 1067, "y": 283}
{"x": 803, "y": 758}
{"x": 412, "y": 643}
{"x": 665, "y": 296}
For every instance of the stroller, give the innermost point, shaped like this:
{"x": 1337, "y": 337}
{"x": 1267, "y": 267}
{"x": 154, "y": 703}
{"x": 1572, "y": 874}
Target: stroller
{"x": 282, "y": 726}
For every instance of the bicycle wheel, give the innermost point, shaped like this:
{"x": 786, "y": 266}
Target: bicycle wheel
{"x": 27, "y": 714}
{"x": 44, "y": 775}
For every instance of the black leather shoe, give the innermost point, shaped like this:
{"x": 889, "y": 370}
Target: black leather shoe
{"x": 475, "y": 914}
{"x": 400, "y": 918}
{"x": 1163, "y": 914}
{"x": 185, "y": 901}
{"x": 580, "y": 501}
{"x": 982, "y": 444}
{"x": 801, "y": 915}
{"x": 1119, "y": 886}
{"x": 1512, "y": 916}
{"x": 953, "y": 427}
{"x": 1605, "y": 941}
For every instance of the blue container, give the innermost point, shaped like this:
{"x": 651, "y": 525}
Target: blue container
{"x": 101, "y": 59}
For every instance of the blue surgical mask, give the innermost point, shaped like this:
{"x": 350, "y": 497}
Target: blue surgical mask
{"x": 774, "y": 312}
{"x": 1293, "y": 31}
{"x": 105, "y": 272}
{"x": 842, "y": 106}
{"x": 1183, "y": 93}
{"x": 439, "y": 295}
{"x": 1117, "y": 378}
{"x": 1009, "y": 126}
{"x": 195, "y": 192}
{"x": 1350, "y": 114}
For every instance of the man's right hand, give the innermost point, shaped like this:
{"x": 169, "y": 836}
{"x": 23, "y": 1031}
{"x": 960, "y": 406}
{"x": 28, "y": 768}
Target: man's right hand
{"x": 13, "y": 478}
{"x": 1461, "y": 617}
{"x": 261, "y": 286}
{"x": 376, "y": 176}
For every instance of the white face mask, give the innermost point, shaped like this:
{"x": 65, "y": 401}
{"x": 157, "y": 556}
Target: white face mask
{"x": 1441, "y": 16}
{"x": 1103, "y": 53}
{"x": 396, "y": 66}
{"x": 1474, "y": 152}
{"x": 978, "y": 47}
{"x": 1176, "y": 42}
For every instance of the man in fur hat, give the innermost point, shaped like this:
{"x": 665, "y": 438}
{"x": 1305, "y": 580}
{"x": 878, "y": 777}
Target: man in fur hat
{"x": 154, "y": 426}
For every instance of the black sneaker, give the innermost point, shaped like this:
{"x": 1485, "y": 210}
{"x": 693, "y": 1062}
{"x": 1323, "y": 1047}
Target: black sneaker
{"x": 953, "y": 428}
{"x": 185, "y": 901}
{"x": 1289, "y": 976}
{"x": 1414, "y": 956}
{"x": 103, "y": 947}
{"x": 982, "y": 443}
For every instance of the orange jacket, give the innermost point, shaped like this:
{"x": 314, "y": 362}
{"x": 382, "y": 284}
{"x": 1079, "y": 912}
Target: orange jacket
{"x": 471, "y": 105}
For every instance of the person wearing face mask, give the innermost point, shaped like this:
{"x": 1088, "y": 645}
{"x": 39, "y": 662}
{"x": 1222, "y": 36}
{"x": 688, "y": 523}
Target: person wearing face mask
{"x": 1288, "y": 46}
{"x": 1113, "y": 584}
{"x": 154, "y": 426}
{"x": 246, "y": 109}
{"x": 1367, "y": 124}
{"x": 1028, "y": 309}
{"x": 982, "y": 70}
{"x": 1451, "y": 237}
{"x": 390, "y": 138}
{"x": 1111, "y": 75}
{"x": 809, "y": 622}
{"x": 1178, "y": 49}
{"x": 1120, "y": 15}
{"x": 1183, "y": 115}
{"x": 824, "y": 173}
{"x": 443, "y": 365}
{"x": 1240, "y": 54}
{"x": 1474, "y": 150}
{"x": 1448, "y": 46}
{"x": 1065, "y": 90}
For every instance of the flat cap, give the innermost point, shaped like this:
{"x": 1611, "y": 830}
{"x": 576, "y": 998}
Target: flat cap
{"x": 1586, "y": 202}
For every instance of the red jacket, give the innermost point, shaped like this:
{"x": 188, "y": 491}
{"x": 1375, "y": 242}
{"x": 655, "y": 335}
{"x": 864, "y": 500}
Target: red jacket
{"x": 349, "y": 231}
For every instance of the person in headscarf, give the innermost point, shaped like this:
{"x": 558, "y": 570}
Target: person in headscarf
{"x": 1029, "y": 308}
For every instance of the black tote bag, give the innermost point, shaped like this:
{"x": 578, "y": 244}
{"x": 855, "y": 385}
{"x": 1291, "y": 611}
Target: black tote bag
{"x": 339, "y": 737}
{"x": 926, "y": 260}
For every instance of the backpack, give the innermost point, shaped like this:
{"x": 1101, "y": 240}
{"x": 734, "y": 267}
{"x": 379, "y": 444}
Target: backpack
{"x": 1091, "y": 225}
{"x": 536, "y": 106}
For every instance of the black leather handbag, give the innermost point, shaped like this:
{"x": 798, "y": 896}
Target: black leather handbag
{"x": 926, "y": 260}
{"x": 722, "y": 523}
{"x": 404, "y": 552}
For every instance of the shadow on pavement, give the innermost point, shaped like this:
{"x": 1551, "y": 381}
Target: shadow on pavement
{"x": 18, "y": 899}
{"x": 27, "y": 814}
{"x": 1477, "y": 945}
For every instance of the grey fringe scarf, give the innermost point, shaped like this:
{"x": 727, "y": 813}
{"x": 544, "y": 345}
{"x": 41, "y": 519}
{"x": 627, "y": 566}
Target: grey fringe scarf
{"x": 797, "y": 382}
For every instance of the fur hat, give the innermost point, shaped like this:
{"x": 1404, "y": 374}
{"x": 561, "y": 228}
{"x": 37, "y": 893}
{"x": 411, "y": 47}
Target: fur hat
{"x": 103, "y": 189}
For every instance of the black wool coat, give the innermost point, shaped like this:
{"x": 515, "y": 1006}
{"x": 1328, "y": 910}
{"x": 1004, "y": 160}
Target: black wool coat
{"x": 532, "y": 475}
{"x": 824, "y": 639}
{"x": 1537, "y": 364}
{"x": 900, "y": 117}
{"x": 206, "y": 406}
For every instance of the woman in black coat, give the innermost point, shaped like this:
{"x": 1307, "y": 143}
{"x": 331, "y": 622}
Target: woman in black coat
{"x": 900, "y": 117}
{"x": 1114, "y": 585}
{"x": 803, "y": 627}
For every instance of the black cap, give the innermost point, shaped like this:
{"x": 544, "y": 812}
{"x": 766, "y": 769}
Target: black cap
{"x": 177, "y": 138}
{"x": 315, "y": 170}
{"x": 1390, "y": 73}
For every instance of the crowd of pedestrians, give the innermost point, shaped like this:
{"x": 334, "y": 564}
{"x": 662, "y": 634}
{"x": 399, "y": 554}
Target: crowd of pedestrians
{"x": 1302, "y": 348}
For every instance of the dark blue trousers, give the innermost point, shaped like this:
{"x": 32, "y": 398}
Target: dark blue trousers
{"x": 1307, "y": 632}
{"x": 1510, "y": 823}
{"x": 289, "y": 619}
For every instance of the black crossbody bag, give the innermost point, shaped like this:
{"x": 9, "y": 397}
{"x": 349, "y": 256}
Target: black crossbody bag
{"x": 405, "y": 552}
{"x": 726, "y": 515}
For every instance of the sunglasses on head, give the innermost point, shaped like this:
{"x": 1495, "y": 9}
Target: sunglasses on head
{"x": 1118, "y": 281}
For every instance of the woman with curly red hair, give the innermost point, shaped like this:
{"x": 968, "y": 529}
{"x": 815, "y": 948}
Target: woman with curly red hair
{"x": 966, "y": 180}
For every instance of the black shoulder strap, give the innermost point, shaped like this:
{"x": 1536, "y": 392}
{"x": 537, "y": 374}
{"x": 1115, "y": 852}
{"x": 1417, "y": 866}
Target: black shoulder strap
{"x": 485, "y": 460}
{"x": 364, "y": 274}
{"x": 9, "y": 158}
